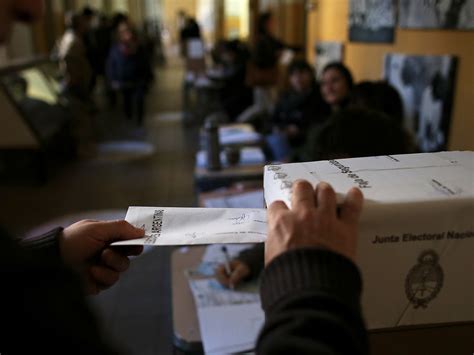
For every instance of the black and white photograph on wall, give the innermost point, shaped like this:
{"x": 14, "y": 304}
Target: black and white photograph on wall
{"x": 372, "y": 21}
{"x": 325, "y": 53}
{"x": 426, "y": 86}
{"x": 436, "y": 14}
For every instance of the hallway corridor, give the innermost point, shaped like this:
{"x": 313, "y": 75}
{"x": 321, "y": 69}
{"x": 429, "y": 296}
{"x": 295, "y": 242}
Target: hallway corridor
{"x": 136, "y": 313}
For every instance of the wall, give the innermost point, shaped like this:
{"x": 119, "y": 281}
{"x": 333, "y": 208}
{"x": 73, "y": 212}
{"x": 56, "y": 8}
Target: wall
{"x": 329, "y": 22}
{"x": 20, "y": 43}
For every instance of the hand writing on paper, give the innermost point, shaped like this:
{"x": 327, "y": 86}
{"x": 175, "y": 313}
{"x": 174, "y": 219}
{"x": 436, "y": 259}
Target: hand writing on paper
{"x": 313, "y": 221}
{"x": 239, "y": 272}
{"x": 85, "y": 247}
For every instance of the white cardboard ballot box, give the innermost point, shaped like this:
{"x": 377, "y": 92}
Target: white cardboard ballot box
{"x": 416, "y": 237}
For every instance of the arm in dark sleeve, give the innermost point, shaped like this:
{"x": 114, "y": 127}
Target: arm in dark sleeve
{"x": 111, "y": 70}
{"x": 311, "y": 299}
{"x": 254, "y": 258}
{"x": 45, "y": 245}
{"x": 42, "y": 303}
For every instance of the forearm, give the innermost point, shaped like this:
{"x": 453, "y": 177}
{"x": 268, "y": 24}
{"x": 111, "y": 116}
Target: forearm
{"x": 43, "y": 302}
{"x": 253, "y": 258}
{"x": 45, "y": 245}
{"x": 311, "y": 298}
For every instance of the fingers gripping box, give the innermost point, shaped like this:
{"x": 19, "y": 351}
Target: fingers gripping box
{"x": 416, "y": 236}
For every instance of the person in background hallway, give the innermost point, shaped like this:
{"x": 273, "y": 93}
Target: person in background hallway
{"x": 117, "y": 19}
{"x": 336, "y": 85}
{"x": 263, "y": 69}
{"x": 268, "y": 47}
{"x": 129, "y": 71}
{"x": 190, "y": 30}
{"x": 230, "y": 58}
{"x": 76, "y": 75}
{"x": 101, "y": 38}
{"x": 299, "y": 108}
{"x": 89, "y": 16}
{"x": 74, "y": 64}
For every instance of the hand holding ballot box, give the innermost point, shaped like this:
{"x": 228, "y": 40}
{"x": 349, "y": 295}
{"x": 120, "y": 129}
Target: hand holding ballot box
{"x": 416, "y": 234}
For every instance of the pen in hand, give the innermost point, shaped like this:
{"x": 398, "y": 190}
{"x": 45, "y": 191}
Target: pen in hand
{"x": 227, "y": 267}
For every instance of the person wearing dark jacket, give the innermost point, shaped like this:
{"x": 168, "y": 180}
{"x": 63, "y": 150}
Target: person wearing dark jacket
{"x": 129, "y": 71}
{"x": 310, "y": 287}
{"x": 45, "y": 278}
{"x": 267, "y": 46}
{"x": 297, "y": 110}
{"x": 231, "y": 58}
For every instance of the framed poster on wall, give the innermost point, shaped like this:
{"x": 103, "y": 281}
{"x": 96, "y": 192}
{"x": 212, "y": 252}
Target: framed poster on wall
{"x": 436, "y": 14}
{"x": 325, "y": 53}
{"x": 372, "y": 21}
{"x": 426, "y": 86}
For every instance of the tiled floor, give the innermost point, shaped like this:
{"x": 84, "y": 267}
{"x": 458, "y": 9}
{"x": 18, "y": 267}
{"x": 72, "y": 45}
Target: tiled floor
{"x": 135, "y": 313}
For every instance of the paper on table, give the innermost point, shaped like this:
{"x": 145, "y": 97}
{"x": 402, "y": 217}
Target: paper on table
{"x": 215, "y": 255}
{"x": 241, "y": 133}
{"x": 229, "y": 320}
{"x": 195, "y": 49}
{"x": 185, "y": 226}
{"x": 248, "y": 156}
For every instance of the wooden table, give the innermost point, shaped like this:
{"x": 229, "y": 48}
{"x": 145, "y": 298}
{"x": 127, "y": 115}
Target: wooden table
{"x": 186, "y": 334}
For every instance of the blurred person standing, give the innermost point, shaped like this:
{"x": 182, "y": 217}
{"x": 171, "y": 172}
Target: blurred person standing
{"x": 76, "y": 75}
{"x": 74, "y": 64}
{"x": 230, "y": 59}
{"x": 191, "y": 30}
{"x": 268, "y": 47}
{"x": 129, "y": 71}
{"x": 263, "y": 70}
{"x": 89, "y": 16}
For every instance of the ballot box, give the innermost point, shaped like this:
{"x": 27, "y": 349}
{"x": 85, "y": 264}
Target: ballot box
{"x": 416, "y": 236}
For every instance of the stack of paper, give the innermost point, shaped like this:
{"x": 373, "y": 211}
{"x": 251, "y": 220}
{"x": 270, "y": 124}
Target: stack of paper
{"x": 229, "y": 320}
{"x": 239, "y": 310}
{"x": 241, "y": 133}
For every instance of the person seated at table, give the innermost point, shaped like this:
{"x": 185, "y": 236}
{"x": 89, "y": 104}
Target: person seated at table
{"x": 349, "y": 133}
{"x": 230, "y": 58}
{"x": 379, "y": 96}
{"x": 356, "y": 132}
{"x": 298, "y": 108}
{"x": 382, "y": 97}
{"x": 336, "y": 85}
